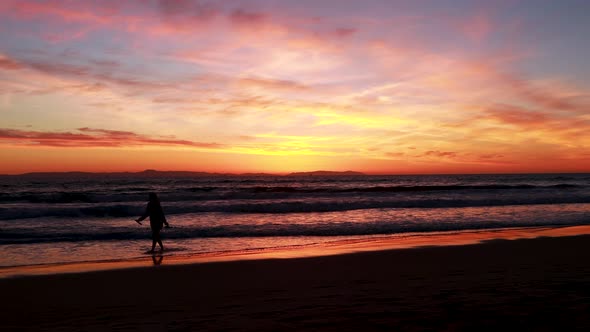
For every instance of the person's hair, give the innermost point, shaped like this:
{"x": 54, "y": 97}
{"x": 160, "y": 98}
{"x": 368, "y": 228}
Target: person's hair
{"x": 154, "y": 199}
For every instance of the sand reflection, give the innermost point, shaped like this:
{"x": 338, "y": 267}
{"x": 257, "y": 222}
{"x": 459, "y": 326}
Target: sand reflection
{"x": 157, "y": 258}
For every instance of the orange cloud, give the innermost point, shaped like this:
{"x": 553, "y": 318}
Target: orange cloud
{"x": 516, "y": 116}
{"x": 547, "y": 126}
{"x": 436, "y": 153}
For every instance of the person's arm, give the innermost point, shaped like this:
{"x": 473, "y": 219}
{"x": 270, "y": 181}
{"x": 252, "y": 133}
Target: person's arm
{"x": 165, "y": 221}
{"x": 145, "y": 215}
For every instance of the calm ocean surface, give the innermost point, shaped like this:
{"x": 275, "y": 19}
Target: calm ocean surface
{"x": 76, "y": 219}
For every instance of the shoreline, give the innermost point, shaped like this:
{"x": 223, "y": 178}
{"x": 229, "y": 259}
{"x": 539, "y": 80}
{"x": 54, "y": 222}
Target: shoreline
{"x": 337, "y": 247}
{"x": 540, "y": 283}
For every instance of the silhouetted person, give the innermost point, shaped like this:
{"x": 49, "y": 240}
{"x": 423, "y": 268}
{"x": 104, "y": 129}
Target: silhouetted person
{"x": 157, "y": 219}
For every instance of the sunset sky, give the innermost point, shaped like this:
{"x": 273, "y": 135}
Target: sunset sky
{"x": 279, "y": 86}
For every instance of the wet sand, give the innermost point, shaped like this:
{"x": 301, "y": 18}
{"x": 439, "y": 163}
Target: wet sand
{"x": 531, "y": 284}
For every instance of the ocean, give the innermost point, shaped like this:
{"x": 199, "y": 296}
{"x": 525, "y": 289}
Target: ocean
{"x": 83, "y": 218}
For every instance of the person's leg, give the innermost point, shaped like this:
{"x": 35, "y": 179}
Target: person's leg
{"x": 154, "y": 240}
{"x": 158, "y": 240}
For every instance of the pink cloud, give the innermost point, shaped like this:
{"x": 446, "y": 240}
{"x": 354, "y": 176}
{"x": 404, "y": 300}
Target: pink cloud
{"x": 96, "y": 75}
{"x": 195, "y": 9}
{"x": 477, "y": 28}
{"x": 176, "y": 19}
{"x": 345, "y": 32}
{"x": 9, "y": 64}
{"x": 241, "y": 16}
{"x": 273, "y": 84}
{"x": 90, "y": 137}
{"x": 68, "y": 12}
{"x": 542, "y": 97}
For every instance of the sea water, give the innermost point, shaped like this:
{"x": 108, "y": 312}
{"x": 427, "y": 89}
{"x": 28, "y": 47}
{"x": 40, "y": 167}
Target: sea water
{"x": 83, "y": 218}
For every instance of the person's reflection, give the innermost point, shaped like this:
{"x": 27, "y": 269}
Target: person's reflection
{"x": 157, "y": 259}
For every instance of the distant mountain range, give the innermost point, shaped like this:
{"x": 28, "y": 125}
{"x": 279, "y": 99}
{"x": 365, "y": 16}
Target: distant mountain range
{"x": 180, "y": 174}
{"x": 326, "y": 173}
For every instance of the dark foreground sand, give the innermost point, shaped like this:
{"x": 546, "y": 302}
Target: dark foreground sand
{"x": 535, "y": 284}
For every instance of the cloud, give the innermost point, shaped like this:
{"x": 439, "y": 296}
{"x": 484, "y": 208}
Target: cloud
{"x": 272, "y": 84}
{"x": 96, "y": 75}
{"x": 477, "y": 28}
{"x": 241, "y": 16}
{"x": 59, "y": 69}
{"x": 553, "y": 125}
{"x": 107, "y": 64}
{"x": 68, "y": 12}
{"x": 490, "y": 156}
{"x": 516, "y": 116}
{"x": 345, "y": 32}
{"x": 542, "y": 97}
{"x": 171, "y": 18}
{"x": 501, "y": 128}
{"x": 8, "y": 63}
{"x": 179, "y": 20}
{"x": 91, "y": 137}
{"x": 436, "y": 153}
{"x": 195, "y": 9}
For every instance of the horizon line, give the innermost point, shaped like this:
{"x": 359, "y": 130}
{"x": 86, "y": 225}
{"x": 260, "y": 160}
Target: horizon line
{"x": 358, "y": 173}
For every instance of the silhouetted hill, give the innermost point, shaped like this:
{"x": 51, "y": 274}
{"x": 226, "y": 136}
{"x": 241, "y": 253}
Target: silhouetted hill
{"x": 91, "y": 175}
{"x": 326, "y": 173}
{"x": 150, "y": 173}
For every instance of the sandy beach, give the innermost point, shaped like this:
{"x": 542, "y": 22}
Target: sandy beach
{"x": 530, "y": 284}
